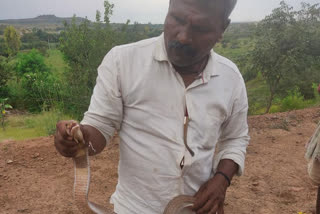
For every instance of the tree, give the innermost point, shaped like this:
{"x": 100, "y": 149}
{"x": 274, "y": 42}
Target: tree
{"x": 37, "y": 81}
{"x": 287, "y": 50}
{"x": 84, "y": 47}
{"x": 12, "y": 40}
{"x": 4, "y": 75}
{"x": 108, "y": 11}
{"x": 280, "y": 52}
{"x": 98, "y": 16}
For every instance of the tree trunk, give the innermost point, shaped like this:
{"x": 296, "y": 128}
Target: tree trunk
{"x": 270, "y": 102}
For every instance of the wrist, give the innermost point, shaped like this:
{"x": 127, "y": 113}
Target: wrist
{"x": 224, "y": 177}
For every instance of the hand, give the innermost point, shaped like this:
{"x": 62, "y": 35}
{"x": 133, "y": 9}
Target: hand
{"x": 210, "y": 197}
{"x": 63, "y": 139}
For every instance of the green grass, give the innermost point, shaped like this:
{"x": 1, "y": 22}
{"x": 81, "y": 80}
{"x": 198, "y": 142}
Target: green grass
{"x": 258, "y": 95}
{"x": 56, "y": 63}
{"x": 20, "y": 127}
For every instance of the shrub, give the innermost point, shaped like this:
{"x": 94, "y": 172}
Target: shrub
{"x": 315, "y": 92}
{"x": 37, "y": 84}
{"x": 4, "y": 76}
{"x": 45, "y": 122}
{"x": 293, "y": 101}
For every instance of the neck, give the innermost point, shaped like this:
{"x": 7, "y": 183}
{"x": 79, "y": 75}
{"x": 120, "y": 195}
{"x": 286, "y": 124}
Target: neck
{"x": 194, "y": 69}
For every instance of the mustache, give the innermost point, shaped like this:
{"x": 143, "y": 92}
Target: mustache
{"x": 186, "y": 49}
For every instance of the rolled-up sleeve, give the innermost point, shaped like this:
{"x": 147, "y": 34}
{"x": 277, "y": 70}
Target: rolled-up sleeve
{"x": 106, "y": 108}
{"x": 234, "y": 137}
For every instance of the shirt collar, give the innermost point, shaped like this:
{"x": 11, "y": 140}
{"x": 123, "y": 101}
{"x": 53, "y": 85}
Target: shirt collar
{"x": 160, "y": 54}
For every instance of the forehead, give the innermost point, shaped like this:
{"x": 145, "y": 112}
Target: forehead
{"x": 202, "y": 10}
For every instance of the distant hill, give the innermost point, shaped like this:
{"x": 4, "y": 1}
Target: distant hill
{"x": 41, "y": 20}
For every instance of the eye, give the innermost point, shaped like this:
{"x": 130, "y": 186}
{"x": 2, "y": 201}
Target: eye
{"x": 178, "y": 19}
{"x": 200, "y": 29}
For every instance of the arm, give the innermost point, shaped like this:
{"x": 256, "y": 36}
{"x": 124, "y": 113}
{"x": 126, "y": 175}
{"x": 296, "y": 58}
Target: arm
{"x": 229, "y": 160}
{"x": 210, "y": 197}
{"x": 104, "y": 115}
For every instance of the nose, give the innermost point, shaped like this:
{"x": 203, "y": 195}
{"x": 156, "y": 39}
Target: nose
{"x": 184, "y": 36}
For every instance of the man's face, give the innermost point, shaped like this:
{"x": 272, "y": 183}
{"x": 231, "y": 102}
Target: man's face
{"x": 191, "y": 30}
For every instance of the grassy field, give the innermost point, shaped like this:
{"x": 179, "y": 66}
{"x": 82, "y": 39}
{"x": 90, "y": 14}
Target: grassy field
{"x": 26, "y": 126}
{"x": 258, "y": 93}
{"x": 55, "y": 62}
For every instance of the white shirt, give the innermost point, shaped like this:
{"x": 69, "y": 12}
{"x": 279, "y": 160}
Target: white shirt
{"x": 139, "y": 94}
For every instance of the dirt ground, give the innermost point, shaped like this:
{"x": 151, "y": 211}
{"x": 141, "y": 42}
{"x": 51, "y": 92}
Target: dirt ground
{"x": 35, "y": 179}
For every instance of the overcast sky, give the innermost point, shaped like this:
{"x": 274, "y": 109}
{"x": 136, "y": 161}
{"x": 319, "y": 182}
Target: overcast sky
{"x": 142, "y": 11}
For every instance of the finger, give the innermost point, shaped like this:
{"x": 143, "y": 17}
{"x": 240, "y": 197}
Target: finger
{"x": 220, "y": 209}
{"x": 200, "y": 201}
{"x": 214, "y": 209}
{"x": 207, "y": 207}
{"x": 67, "y": 151}
{"x": 66, "y": 142}
{"x": 64, "y": 128}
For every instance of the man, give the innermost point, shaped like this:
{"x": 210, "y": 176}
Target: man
{"x": 144, "y": 91}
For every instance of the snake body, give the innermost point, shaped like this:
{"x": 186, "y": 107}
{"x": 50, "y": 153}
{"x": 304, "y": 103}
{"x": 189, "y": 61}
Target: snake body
{"x": 179, "y": 205}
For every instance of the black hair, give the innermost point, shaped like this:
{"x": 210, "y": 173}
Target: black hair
{"x": 226, "y": 6}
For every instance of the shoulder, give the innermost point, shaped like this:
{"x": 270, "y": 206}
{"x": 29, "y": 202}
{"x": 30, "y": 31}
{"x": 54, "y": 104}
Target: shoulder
{"x": 140, "y": 48}
{"x": 226, "y": 66}
{"x": 129, "y": 52}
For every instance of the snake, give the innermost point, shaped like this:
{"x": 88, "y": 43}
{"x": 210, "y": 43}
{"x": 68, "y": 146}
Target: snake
{"x": 181, "y": 204}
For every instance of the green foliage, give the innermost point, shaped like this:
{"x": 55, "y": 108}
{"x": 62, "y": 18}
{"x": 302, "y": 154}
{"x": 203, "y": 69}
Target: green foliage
{"x": 56, "y": 63}
{"x": 30, "y": 63}
{"x": 257, "y": 90}
{"x": 5, "y": 74}
{"x": 2, "y": 28}
{"x": 108, "y": 11}
{"x": 287, "y": 50}
{"x": 39, "y": 39}
{"x": 46, "y": 121}
{"x": 26, "y": 126}
{"x": 84, "y": 47}
{"x": 38, "y": 85}
{"x": 275, "y": 109}
{"x": 315, "y": 92}
{"x": 98, "y": 16}
{"x": 3, "y": 107}
{"x": 293, "y": 101}
{"x": 11, "y": 40}
{"x": 3, "y": 51}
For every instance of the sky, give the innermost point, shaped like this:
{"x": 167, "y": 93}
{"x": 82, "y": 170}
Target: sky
{"x": 142, "y": 11}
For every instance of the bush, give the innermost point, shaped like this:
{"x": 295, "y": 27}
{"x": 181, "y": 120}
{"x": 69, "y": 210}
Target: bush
{"x": 37, "y": 86}
{"x": 4, "y": 76}
{"x": 293, "y": 101}
{"x": 315, "y": 92}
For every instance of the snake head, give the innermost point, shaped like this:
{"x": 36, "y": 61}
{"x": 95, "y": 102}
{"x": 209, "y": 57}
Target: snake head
{"x": 74, "y": 131}
{"x": 77, "y": 135}
{"x": 69, "y": 125}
